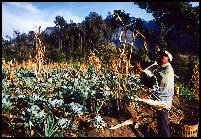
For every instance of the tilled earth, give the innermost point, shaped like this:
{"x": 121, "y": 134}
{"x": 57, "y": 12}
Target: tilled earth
{"x": 124, "y": 131}
{"x": 189, "y": 108}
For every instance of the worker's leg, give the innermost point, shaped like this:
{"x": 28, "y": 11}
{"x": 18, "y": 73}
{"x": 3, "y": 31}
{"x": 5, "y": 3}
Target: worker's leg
{"x": 162, "y": 123}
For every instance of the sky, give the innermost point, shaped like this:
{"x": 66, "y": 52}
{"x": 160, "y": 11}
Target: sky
{"x": 27, "y": 16}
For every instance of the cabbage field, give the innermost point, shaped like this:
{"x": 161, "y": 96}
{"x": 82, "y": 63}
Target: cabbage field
{"x": 57, "y": 102}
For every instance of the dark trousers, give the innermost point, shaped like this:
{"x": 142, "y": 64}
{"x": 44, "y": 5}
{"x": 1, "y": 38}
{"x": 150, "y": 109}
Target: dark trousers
{"x": 163, "y": 123}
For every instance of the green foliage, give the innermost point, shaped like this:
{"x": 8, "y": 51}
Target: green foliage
{"x": 60, "y": 21}
{"x": 50, "y": 104}
{"x": 94, "y": 25}
{"x": 20, "y": 47}
{"x": 184, "y": 91}
{"x": 50, "y": 126}
{"x": 142, "y": 55}
{"x": 57, "y": 56}
{"x": 176, "y": 19}
{"x": 98, "y": 122}
{"x": 124, "y": 16}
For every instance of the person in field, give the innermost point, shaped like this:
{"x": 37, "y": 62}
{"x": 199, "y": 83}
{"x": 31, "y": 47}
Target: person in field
{"x": 162, "y": 96}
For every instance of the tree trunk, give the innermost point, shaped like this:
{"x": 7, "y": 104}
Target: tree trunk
{"x": 61, "y": 44}
{"x": 80, "y": 46}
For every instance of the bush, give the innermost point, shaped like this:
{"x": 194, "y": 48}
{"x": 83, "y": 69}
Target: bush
{"x": 57, "y": 56}
{"x": 185, "y": 91}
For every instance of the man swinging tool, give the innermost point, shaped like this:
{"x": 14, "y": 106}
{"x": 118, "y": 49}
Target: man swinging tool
{"x": 165, "y": 92}
{"x": 163, "y": 95}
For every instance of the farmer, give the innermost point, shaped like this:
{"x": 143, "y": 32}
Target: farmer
{"x": 165, "y": 92}
{"x": 163, "y": 95}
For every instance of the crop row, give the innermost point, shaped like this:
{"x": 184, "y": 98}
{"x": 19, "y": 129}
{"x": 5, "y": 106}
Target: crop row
{"x": 59, "y": 100}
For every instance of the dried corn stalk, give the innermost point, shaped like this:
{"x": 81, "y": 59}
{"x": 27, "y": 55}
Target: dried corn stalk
{"x": 39, "y": 58}
{"x": 93, "y": 59}
{"x": 4, "y": 65}
{"x": 195, "y": 80}
{"x": 122, "y": 64}
{"x": 176, "y": 115}
{"x": 12, "y": 76}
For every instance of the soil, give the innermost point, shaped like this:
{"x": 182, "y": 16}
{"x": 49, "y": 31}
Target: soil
{"x": 188, "y": 107}
{"x": 124, "y": 131}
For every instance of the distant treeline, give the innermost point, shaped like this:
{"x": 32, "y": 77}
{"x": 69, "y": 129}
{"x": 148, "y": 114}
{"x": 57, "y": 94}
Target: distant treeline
{"x": 177, "y": 22}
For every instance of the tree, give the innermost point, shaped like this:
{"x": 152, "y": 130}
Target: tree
{"x": 94, "y": 25}
{"x": 60, "y": 22}
{"x": 177, "y": 19}
{"x": 112, "y": 22}
{"x": 73, "y": 38}
{"x": 139, "y": 24}
{"x": 60, "y": 25}
{"x": 19, "y": 44}
{"x": 5, "y": 44}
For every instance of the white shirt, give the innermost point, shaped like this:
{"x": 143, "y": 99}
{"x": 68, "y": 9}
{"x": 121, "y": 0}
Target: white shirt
{"x": 165, "y": 78}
